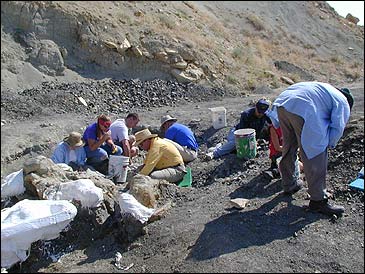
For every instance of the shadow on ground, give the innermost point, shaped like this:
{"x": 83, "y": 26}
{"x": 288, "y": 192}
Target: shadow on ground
{"x": 256, "y": 227}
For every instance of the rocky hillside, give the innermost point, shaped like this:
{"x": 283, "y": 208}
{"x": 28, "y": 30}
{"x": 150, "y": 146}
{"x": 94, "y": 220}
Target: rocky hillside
{"x": 240, "y": 46}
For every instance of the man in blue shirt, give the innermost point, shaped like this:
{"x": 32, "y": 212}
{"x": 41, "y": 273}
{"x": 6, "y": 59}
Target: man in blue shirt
{"x": 181, "y": 136}
{"x": 254, "y": 118}
{"x": 312, "y": 117}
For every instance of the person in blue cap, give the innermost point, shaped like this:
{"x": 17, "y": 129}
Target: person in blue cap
{"x": 254, "y": 118}
{"x": 312, "y": 117}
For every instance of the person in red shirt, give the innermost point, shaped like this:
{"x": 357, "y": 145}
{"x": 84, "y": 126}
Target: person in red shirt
{"x": 276, "y": 148}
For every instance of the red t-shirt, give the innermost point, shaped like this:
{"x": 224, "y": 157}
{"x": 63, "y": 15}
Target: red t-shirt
{"x": 273, "y": 151}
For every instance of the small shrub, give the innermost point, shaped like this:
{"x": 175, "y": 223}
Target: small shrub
{"x": 256, "y": 22}
{"x": 232, "y": 80}
{"x": 166, "y": 21}
{"x": 237, "y": 53}
{"x": 336, "y": 59}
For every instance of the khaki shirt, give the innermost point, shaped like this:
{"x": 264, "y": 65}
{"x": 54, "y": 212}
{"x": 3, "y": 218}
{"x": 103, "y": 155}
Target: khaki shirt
{"x": 162, "y": 154}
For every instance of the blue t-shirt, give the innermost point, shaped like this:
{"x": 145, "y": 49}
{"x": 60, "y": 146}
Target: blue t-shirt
{"x": 90, "y": 133}
{"x": 182, "y": 135}
{"x": 325, "y": 112}
{"x": 250, "y": 120}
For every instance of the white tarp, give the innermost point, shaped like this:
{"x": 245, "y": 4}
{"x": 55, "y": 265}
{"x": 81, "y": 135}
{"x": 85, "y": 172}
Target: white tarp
{"x": 12, "y": 185}
{"x": 129, "y": 204}
{"x": 83, "y": 190}
{"x": 29, "y": 221}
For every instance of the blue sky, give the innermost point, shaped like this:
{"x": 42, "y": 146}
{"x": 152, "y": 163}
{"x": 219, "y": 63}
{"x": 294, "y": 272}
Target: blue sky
{"x": 356, "y": 8}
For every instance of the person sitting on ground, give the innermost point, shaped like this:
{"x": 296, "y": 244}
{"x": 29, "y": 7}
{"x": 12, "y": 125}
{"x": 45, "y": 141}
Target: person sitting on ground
{"x": 254, "y": 118}
{"x": 312, "y": 117}
{"x": 181, "y": 136}
{"x": 121, "y": 137}
{"x": 71, "y": 152}
{"x": 99, "y": 144}
{"x": 163, "y": 160}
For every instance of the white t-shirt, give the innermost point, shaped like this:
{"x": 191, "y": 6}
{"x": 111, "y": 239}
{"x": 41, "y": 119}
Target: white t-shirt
{"x": 119, "y": 130}
{"x": 72, "y": 156}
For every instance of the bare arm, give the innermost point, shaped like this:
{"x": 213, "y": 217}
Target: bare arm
{"x": 126, "y": 148}
{"x": 93, "y": 144}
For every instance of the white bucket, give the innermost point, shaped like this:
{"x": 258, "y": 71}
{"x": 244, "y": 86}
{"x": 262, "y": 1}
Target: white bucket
{"x": 118, "y": 168}
{"x": 219, "y": 117}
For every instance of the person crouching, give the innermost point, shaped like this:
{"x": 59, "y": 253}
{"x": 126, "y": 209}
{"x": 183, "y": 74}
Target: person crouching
{"x": 163, "y": 160}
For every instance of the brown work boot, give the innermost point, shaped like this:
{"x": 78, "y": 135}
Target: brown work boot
{"x": 324, "y": 207}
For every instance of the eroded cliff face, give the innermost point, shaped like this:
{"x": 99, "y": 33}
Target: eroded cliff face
{"x": 223, "y": 44}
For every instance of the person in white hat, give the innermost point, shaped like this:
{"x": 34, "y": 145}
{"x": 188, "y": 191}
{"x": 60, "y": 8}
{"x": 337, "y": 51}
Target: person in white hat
{"x": 71, "y": 152}
{"x": 163, "y": 160}
{"x": 181, "y": 136}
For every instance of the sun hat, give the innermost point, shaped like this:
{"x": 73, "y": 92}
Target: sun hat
{"x": 262, "y": 105}
{"x": 167, "y": 118}
{"x": 74, "y": 139}
{"x": 143, "y": 135}
{"x": 348, "y": 95}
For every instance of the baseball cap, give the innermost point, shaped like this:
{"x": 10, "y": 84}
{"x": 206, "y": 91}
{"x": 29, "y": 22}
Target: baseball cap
{"x": 262, "y": 105}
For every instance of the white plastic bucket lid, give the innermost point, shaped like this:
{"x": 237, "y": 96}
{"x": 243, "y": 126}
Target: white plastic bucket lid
{"x": 244, "y": 132}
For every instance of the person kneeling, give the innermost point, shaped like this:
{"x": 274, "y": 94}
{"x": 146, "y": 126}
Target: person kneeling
{"x": 163, "y": 160}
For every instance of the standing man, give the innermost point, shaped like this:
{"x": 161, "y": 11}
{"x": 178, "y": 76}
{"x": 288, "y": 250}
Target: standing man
{"x": 181, "y": 136}
{"x": 120, "y": 134}
{"x": 163, "y": 160}
{"x": 312, "y": 116}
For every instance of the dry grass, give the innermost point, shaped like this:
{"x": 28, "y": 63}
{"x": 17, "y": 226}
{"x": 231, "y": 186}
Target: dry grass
{"x": 256, "y": 22}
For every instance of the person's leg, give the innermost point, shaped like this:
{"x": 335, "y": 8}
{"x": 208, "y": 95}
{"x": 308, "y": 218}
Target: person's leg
{"x": 98, "y": 159}
{"x": 188, "y": 155}
{"x": 291, "y": 127}
{"x": 227, "y": 147}
{"x": 96, "y": 156}
{"x": 108, "y": 149}
{"x": 315, "y": 170}
{"x": 171, "y": 174}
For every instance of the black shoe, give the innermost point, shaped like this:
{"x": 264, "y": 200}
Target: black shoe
{"x": 324, "y": 207}
{"x": 276, "y": 173}
{"x": 295, "y": 189}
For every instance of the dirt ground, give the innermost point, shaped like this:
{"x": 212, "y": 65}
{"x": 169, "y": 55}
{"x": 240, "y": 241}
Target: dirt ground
{"x": 202, "y": 232}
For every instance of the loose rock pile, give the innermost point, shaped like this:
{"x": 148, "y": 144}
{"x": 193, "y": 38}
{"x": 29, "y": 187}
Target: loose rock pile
{"x": 111, "y": 96}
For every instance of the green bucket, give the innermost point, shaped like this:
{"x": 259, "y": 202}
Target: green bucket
{"x": 245, "y": 143}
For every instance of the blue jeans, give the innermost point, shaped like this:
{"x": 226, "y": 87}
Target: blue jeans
{"x": 227, "y": 147}
{"x": 101, "y": 153}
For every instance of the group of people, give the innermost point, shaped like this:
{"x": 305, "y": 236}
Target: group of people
{"x": 166, "y": 157}
{"x": 304, "y": 121}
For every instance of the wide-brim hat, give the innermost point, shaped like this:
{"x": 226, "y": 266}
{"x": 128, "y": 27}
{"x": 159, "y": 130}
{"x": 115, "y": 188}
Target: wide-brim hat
{"x": 143, "y": 135}
{"x": 74, "y": 139}
{"x": 167, "y": 118}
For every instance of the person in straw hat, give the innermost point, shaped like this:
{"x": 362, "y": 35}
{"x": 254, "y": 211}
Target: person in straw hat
{"x": 163, "y": 160}
{"x": 181, "y": 136}
{"x": 71, "y": 152}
